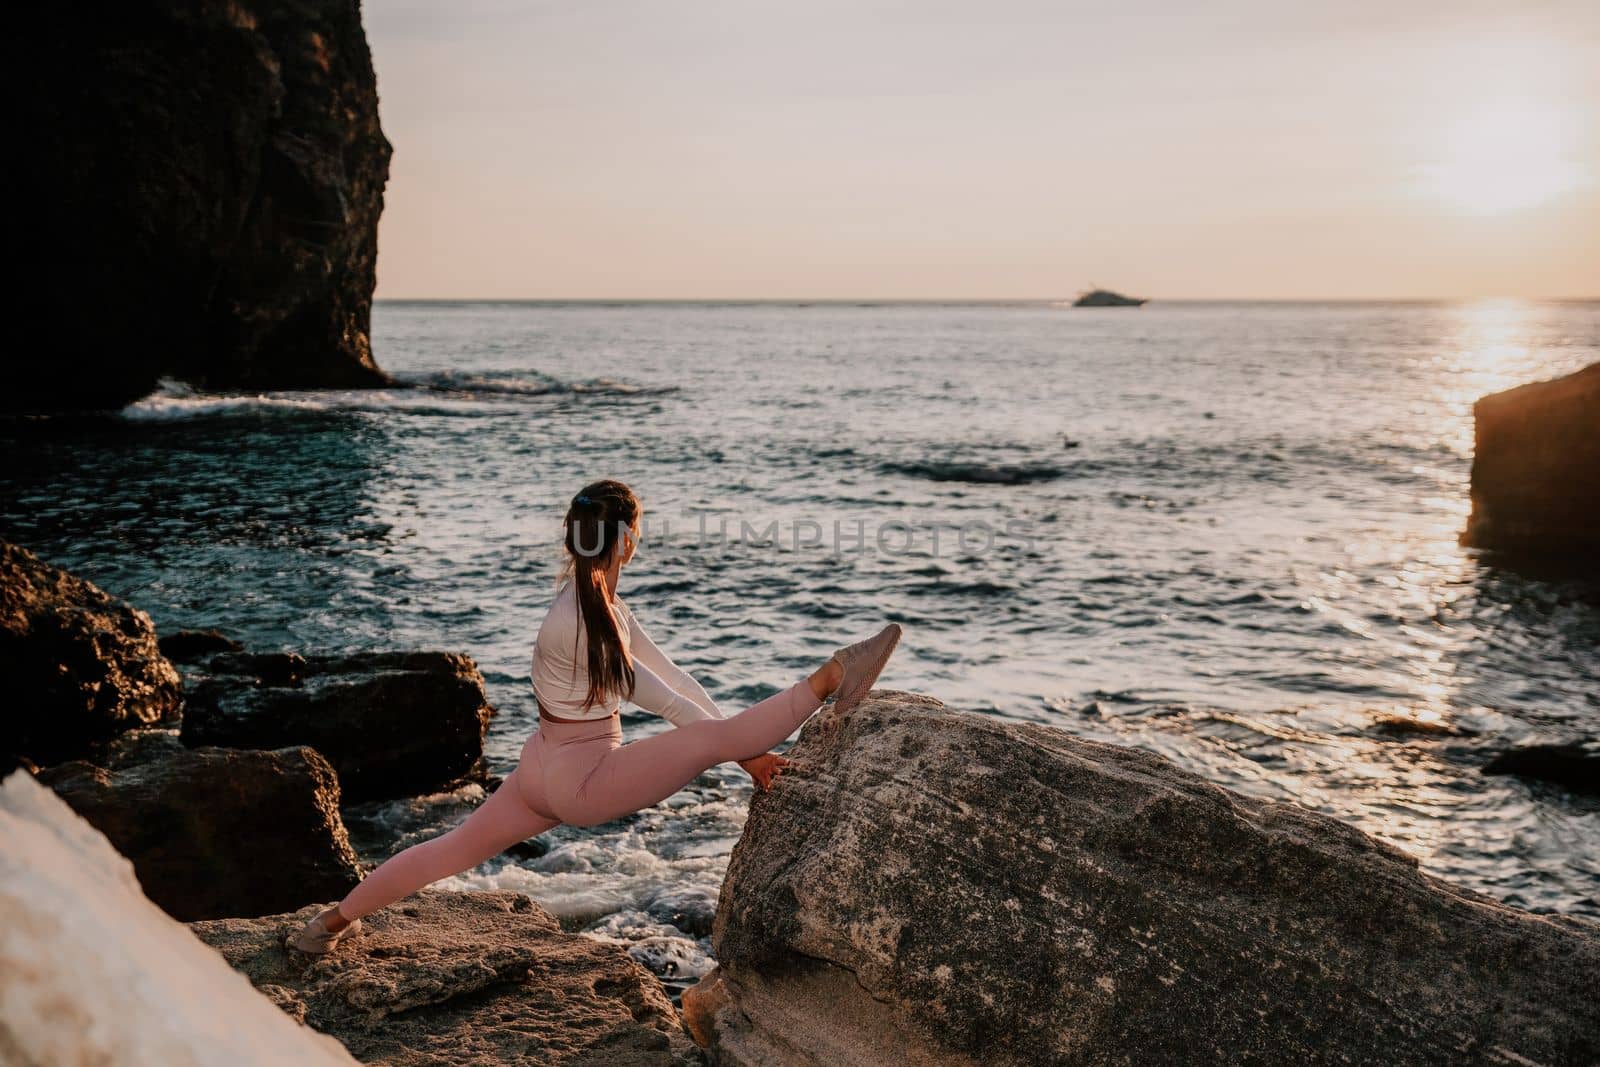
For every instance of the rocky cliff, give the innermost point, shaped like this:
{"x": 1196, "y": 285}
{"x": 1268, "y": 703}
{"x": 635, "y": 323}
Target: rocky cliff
{"x": 930, "y": 887}
{"x": 1536, "y": 469}
{"x": 196, "y": 194}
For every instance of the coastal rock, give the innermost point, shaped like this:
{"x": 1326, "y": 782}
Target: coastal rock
{"x": 1535, "y": 463}
{"x": 463, "y": 978}
{"x": 91, "y": 972}
{"x": 1418, "y": 726}
{"x": 393, "y": 724}
{"x": 188, "y": 645}
{"x": 932, "y": 887}
{"x": 217, "y": 832}
{"x": 1573, "y": 765}
{"x": 80, "y": 666}
{"x": 203, "y": 184}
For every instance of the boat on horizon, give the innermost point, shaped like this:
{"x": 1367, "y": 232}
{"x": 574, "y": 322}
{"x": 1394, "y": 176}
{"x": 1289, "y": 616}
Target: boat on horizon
{"x": 1105, "y": 298}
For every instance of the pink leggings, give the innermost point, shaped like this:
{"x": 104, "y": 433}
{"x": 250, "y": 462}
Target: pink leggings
{"x": 582, "y": 774}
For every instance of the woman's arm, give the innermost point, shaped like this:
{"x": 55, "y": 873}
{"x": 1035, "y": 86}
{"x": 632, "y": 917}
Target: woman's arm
{"x": 652, "y": 693}
{"x": 652, "y": 668}
{"x": 646, "y": 654}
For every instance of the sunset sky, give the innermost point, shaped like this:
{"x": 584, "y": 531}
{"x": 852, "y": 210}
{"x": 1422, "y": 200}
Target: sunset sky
{"x": 994, "y": 149}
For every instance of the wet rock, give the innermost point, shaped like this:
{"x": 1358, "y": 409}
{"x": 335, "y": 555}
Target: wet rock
{"x": 1574, "y": 765}
{"x": 463, "y": 978}
{"x": 258, "y": 668}
{"x": 207, "y": 182}
{"x": 185, "y": 646}
{"x": 945, "y": 888}
{"x": 80, "y": 666}
{"x": 393, "y": 724}
{"x": 1413, "y": 726}
{"x": 691, "y": 910}
{"x": 1535, "y": 463}
{"x": 527, "y": 850}
{"x": 977, "y": 472}
{"x": 92, "y": 973}
{"x": 217, "y": 832}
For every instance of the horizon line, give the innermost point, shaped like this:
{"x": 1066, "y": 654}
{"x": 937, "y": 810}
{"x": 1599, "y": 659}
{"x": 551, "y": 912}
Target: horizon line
{"x": 875, "y": 301}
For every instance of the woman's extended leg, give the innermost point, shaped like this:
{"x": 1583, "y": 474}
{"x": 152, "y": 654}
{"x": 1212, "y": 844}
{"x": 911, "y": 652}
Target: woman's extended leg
{"x": 500, "y": 822}
{"x": 642, "y": 773}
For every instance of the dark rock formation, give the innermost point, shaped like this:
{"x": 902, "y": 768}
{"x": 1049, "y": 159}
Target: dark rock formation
{"x": 79, "y": 665}
{"x": 393, "y": 724}
{"x": 215, "y": 832}
{"x": 17, "y": 763}
{"x": 1535, "y": 468}
{"x": 186, "y": 646}
{"x": 1574, "y": 765}
{"x": 199, "y": 196}
{"x": 938, "y": 888}
{"x": 463, "y": 978}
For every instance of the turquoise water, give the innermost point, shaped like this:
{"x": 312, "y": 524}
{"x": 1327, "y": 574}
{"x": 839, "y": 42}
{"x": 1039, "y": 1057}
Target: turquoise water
{"x": 1222, "y": 531}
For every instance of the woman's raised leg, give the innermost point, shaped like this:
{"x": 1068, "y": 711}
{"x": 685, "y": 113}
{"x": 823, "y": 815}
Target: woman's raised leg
{"x": 500, "y": 822}
{"x": 642, "y": 773}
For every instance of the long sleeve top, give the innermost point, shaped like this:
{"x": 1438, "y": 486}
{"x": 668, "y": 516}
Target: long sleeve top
{"x": 561, "y": 674}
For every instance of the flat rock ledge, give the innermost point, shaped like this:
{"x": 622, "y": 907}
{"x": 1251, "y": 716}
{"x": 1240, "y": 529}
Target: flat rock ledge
{"x": 463, "y": 978}
{"x": 932, "y": 887}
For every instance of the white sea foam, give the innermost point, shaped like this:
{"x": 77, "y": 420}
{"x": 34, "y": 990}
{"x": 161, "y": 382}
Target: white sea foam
{"x": 445, "y": 394}
{"x": 174, "y": 401}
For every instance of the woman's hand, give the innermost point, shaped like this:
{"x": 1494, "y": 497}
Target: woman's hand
{"x": 764, "y": 768}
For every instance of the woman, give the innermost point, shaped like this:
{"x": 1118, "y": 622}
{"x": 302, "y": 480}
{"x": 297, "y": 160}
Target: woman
{"x": 591, "y": 653}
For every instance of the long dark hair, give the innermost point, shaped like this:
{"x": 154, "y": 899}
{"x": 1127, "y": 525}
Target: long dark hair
{"x": 598, "y": 516}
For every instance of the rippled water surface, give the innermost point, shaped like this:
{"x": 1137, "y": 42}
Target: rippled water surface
{"x": 1223, "y": 532}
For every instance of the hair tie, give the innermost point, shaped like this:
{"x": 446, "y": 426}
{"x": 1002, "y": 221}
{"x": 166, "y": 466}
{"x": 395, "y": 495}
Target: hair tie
{"x": 583, "y": 498}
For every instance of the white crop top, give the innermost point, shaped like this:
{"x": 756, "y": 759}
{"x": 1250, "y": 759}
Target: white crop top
{"x": 561, "y": 669}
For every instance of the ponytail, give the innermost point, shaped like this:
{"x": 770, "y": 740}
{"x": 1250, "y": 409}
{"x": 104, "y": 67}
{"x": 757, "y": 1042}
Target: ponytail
{"x": 595, "y": 523}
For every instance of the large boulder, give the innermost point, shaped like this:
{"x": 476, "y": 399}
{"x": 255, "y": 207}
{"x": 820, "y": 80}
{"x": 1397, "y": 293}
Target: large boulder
{"x": 393, "y": 724}
{"x": 1535, "y": 468}
{"x": 199, "y": 197}
{"x": 80, "y": 666}
{"x": 217, "y": 832}
{"x": 941, "y": 888}
{"x": 464, "y": 978}
{"x": 93, "y": 973}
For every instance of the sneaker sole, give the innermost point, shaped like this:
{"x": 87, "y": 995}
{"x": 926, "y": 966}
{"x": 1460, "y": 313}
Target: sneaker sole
{"x": 842, "y": 704}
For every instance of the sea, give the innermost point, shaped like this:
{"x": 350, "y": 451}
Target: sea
{"x": 1225, "y": 532}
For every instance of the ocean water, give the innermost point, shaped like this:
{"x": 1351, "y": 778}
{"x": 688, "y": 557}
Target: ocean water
{"x": 1225, "y": 532}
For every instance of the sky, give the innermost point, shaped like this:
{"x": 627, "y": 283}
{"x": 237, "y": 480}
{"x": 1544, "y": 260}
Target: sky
{"x": 989, "y": 149}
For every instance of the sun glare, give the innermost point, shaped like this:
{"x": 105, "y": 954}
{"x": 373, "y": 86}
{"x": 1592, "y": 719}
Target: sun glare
{"x": 1505, "y": 158}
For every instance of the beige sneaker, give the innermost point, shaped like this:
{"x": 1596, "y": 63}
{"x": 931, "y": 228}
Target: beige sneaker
{"x": 316, "y": 938}
{"x": 862, "y": 663}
